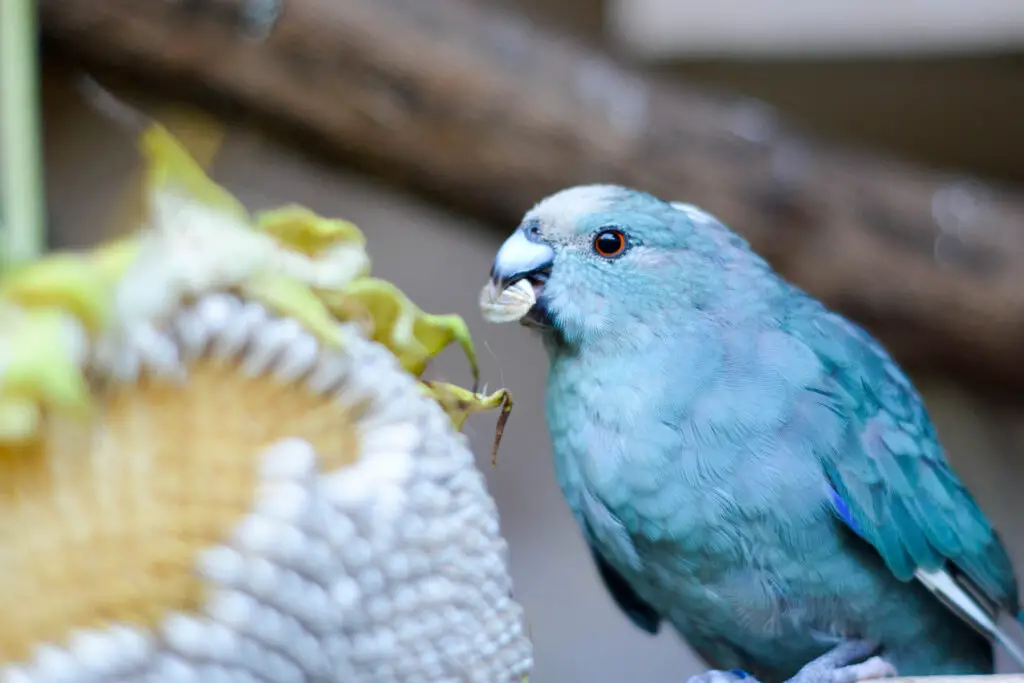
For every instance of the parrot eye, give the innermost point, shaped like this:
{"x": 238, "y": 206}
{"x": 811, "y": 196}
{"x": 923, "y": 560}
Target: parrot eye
{"x": 609, "y": 243}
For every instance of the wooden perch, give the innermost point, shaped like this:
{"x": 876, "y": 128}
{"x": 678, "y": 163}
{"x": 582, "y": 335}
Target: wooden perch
{"x": 996, "y": 678}
{"x": 486, "y": 112}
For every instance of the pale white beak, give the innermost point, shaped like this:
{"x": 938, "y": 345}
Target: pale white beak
{"x": 518, "y": 257}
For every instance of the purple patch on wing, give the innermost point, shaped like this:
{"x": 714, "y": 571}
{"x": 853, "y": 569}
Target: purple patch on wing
{"x": 843, "y": 510}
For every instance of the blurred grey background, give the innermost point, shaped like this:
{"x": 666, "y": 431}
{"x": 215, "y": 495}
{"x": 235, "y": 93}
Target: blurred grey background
{"x": 953, "y": 103}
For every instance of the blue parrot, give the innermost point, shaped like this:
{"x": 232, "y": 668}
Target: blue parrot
{"x": 744, "y": 463}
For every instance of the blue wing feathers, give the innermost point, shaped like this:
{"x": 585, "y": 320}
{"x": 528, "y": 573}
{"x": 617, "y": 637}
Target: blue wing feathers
{"x": 891, "y": 482}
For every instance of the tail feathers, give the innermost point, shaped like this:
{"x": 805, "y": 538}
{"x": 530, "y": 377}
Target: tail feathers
{"x": 1013, "y": 649}
{"x": 949, "y": 590}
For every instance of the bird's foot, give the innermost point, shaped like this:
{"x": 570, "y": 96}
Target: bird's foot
{"x": 848, "y": 662}
{"x": 717, "y": 676}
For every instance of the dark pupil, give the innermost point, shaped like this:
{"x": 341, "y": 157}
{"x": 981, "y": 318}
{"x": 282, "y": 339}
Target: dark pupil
{"x": 608, "y": 242}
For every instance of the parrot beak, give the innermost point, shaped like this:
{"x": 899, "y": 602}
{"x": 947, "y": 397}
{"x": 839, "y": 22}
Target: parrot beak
{"x": 525, "y": 256}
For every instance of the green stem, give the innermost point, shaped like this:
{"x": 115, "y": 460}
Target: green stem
{"x": 22, "y": 231}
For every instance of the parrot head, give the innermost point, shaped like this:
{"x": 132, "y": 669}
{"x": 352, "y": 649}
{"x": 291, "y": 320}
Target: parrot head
{"x": 604, "y": 259}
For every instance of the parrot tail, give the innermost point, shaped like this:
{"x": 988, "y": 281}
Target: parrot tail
{"x": 1013, "y": 649}
{"x": 972, "y": 610}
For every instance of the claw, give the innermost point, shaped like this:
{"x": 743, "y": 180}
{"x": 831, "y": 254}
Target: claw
{"x": 876, "y": 667}
{"x": 843, "y": 664}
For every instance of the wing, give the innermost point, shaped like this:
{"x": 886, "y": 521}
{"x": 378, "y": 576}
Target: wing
{"x": 638, "y": 611}
{"x": 892, "y": 483}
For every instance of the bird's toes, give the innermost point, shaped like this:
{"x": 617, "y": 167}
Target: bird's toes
{"x": 869, "y": 669}
{"x": 717, "y": 676}
{"x": 875, "y": 667}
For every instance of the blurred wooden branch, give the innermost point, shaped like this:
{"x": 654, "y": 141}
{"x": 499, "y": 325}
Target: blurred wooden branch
{"x": 486, "y": 112}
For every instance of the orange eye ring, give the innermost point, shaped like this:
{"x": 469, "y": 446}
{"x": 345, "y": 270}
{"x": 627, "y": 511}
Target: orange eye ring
{"x": 609, "y": 243}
